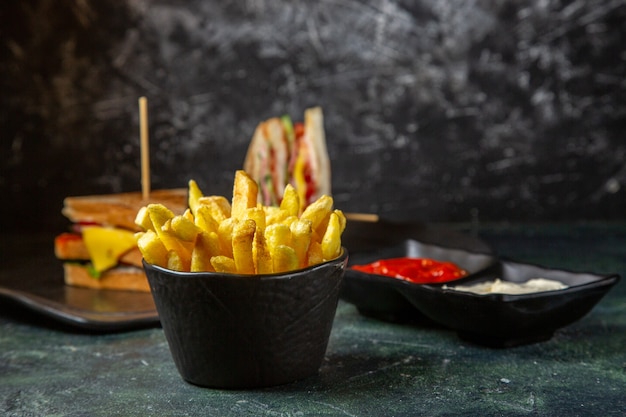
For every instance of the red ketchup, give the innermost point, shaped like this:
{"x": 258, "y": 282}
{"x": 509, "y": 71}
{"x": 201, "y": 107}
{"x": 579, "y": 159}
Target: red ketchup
{"x": 417, "y": 270}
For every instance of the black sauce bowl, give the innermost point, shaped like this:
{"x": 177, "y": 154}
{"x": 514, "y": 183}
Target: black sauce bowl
{"x": 507, "y": 320}
{"x": 382, "y": 298}
{"x": 242, "y": 331}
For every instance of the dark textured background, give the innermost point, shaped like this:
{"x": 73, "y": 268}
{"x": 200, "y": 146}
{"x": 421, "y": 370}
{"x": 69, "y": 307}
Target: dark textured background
{"x": 436, "y": 110}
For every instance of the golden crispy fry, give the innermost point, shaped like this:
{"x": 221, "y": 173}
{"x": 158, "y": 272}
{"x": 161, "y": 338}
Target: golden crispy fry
{"x": 342, "y": 219}
{"x": 243, "y": 235}
{"x": 318, "y": 211}
{"x": 274, "y": 214}
{"x": 173, "y": 243}
{"x": 184, "y": 228}
{"x": 188, "y": 215}
{"x": 277, "y": 234}
{"x": 224, "y": 264}
{"x": 261, "y": 254}
{"x": 331, "y": 242}
{"x": 284, "y": 259}
{"x": 258, "y": 215}
{"x": 316, "y": 237}
{"x": 194, "y": 195}
{"x": 321, "y": 228}
{"x": 207, "y": 246}
{"x": 245, "y": 192}
{"x": 205, "y": 220}
{"x": 218, "y": 206}
{"x": 171, "y": 238}
{"x": 199, "y": 261}
{"x": 315, "y": 255}
{"x": 143, "y": 219}
{"x": 225, "y": 234}
{"x": 152, "y": 248}
{"x": 176, "y": 263}
{"x": 288, "y": 221}
{"x": 159, "y": 214}
{"x": 291, "y": 202}
{"x": 301, "y": 233}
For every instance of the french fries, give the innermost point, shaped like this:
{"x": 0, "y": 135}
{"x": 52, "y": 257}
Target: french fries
{"x": 241, "y": 236}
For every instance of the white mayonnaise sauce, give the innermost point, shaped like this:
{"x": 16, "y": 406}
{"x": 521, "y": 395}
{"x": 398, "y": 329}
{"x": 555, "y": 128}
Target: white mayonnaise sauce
{"x": 505, "y": 287}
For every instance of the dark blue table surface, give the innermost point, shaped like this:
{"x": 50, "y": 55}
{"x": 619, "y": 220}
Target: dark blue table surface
{"x": 372, "y": 368}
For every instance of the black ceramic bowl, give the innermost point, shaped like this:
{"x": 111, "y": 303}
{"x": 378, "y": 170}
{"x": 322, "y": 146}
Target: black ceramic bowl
{"x": 381, "y": 297}
{"x": 242, "y": 331}
{"x": 501, "y": 320}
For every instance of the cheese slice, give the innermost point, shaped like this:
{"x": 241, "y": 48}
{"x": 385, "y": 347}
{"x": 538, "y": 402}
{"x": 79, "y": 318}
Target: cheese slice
{"x": 106, "y": 244}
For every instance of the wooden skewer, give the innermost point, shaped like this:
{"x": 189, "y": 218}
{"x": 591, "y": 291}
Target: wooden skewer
{"x": 363, "y": 217}
{"x": 145, "y": 148}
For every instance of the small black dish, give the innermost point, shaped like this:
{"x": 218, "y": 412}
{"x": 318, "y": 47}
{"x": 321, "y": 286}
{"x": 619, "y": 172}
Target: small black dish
{"x": 247, "y": 331}
{"x": 382, "y": 297}
{"x": 504, "y": 320}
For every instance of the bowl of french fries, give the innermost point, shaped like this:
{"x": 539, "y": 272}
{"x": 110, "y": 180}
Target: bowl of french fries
{"x": 246, "y": 294}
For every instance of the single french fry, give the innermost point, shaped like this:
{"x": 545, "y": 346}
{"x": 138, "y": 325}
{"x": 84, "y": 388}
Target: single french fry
{"x": 225, "y": 234}
{"x": 173, "y": 242}
{"x": 161, "y": 218}
{"x": 169, "y": 238}
{"x": 321, "y": 228}
{"x": 331, "y": 242}
{"x": 142, "y": 219}
{"x": 291, "y": 202}
{"x": 152, "y": 248}
{"x": 277, "y": 234}
{"x": 315, "y": 255}
{"x": 184, "y": 228}
{"x": 175, "y": 262}
{"x": 245, "y": 192}
{"x": 284, "y": 259}
{"x": 207, "y": 246}
{"x": 219, "y": 206}
{"x": 258, "y": 215}
{"x": 342, "y": 219}
{"x": 261, "y": 254}
{"x": 205, "y": 220}
{"x": 199, "y": 262}
{"x": 243, "y": 235}
{"x": 288, "y": 221}
{"x": 316, "y": 237}
{"x": 223, "y": 264}
{"x": 274, "y": 215}
{"x": 318, "y": 211}
{"x": 188, "y": 215}
{"x": 194, "y": 195}
{"x": 159, "y": 214}
{"x": 301, "y": 233}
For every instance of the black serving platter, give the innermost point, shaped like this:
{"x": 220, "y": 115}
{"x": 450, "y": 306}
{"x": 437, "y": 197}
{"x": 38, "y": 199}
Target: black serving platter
{"x": 382, "y": 297}
{"x": 31, "y": 284}
{"x": 502, "y": 320}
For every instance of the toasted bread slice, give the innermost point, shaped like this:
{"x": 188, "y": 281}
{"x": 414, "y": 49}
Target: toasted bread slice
{"x": 120, "y": 278}
{"x": 120, "y": 210}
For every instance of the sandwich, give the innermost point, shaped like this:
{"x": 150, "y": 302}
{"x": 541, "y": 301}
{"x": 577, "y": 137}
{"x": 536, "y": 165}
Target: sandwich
{"x": 100, "y": 250}
{"x": 282, "y": 152}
